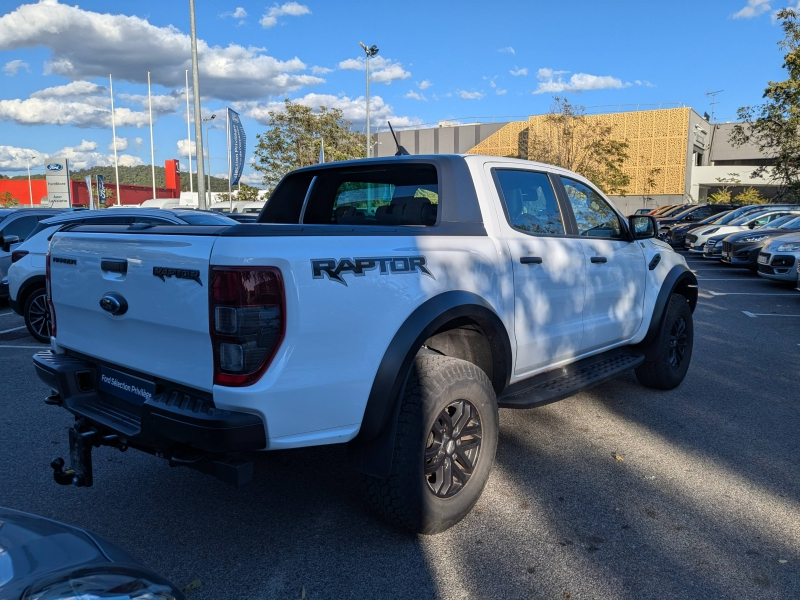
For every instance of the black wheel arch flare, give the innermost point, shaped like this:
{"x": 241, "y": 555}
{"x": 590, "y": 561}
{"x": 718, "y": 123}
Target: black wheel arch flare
{"x": 679, "y": 280}
{"x": 371, "y": 450}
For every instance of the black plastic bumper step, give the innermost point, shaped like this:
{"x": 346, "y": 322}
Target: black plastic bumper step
{"x": 567, "y": 381}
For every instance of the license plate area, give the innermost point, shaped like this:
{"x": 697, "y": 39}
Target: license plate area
{"x": 130, "y": 388}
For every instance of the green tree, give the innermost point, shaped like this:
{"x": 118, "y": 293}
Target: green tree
{"x": 294, "y": 136}
{"x": 749, "y": 196}
{"x": 245, "y": 193}
{"x": 569, "y": 139}
{"x": 774, "y": 126}
{"x": 723, "y": 195}
{"x": 7, "y": 200}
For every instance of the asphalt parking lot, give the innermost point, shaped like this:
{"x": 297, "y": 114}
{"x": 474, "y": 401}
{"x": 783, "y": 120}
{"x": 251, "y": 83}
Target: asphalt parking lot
{"x": 620, "y": 492}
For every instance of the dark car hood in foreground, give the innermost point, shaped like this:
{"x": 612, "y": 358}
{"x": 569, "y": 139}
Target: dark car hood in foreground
{"x": 32, "y": 548}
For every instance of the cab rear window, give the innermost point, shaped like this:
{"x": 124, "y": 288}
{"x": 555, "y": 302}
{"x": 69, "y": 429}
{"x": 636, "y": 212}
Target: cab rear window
{"x": 385, "y": 195}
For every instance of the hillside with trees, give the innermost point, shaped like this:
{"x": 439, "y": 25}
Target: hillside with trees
{"x": 139, "y": 175}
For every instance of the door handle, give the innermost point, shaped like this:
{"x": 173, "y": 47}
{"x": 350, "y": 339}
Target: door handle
{"x": 114, "y": 265}
{"x": 531, "y": 260}
{"x": 599, "y": 259}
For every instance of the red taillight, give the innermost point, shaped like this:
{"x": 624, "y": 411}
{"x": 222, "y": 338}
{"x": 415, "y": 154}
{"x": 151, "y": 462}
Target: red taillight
{"x": 17, "y": 255}
{"x": 247, "y": 318}
{"x": 50, "y": 298}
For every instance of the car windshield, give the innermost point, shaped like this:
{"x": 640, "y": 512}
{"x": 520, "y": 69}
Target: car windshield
{"x": 743, "y": 219}
{"x": 206, "y": 218}
{"x": 4, "y": 212}
{"x": 682, "y": 213}
{"x": 793, "y": 224}
{"x": 673, "y": 211}
{"x": 782, "y": 220}
{"x": 713, "y": 218}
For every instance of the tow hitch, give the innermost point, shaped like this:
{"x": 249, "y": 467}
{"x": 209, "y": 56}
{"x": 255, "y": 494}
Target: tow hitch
{"x": 82, "y": 438}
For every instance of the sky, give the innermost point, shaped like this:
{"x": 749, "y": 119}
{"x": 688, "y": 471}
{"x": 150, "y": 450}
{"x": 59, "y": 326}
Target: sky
{"x": 467, "y": 60}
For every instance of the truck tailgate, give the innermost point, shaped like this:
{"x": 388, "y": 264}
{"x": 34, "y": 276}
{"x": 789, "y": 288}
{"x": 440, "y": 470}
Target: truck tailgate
{"x": 164, "y": 281}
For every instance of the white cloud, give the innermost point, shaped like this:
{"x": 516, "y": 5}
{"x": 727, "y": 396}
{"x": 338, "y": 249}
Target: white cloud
{"x": 320, "y": 70}
{"x": 552, "y": 82}
{"x": 252, "y": 179}
{"x": 137, "y": 141}
{"x": 82, "y": 156}
{"x": 163, "y": 104}
{"x": 87, "y": 45}
{"x": 382, "y": 70}
{"x": 507, "y": 50}
{"x": 122, "y": 144}
{"x": 12, "y": 66}
{"x": 517, "y": 72}
{"x": 290, "y": 9}
{"x": 52, "y": 111}
{"x": 424, "y": 84}
{"x": 353, "y": 109}
{"x": 754, "y": 8}
{"x": 412, "y": 95}
{"x": 501, "y": 92}
{"x": 239, "y": 13}
{"x": 464, "y": 95}
{"x": 75, "y": 89}
{"x": 183, "y": 146}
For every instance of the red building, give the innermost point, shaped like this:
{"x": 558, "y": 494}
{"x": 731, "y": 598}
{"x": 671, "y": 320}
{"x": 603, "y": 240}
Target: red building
{"x": 130, "y": 194}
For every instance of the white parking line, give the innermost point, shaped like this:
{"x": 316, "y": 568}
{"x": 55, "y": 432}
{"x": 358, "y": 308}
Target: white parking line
{"x": 9, "y": 314}
{"x": 43, "y": 347}
{"x": 12, "y": 329}
{"x": 754, "y": 315}
{"x": 750, "y": 293}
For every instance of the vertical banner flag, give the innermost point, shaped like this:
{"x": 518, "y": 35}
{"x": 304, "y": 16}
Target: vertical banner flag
{"x": 101, "y": 191}
{"x": 88, "y": 180}
{"x": 238, "y": 146}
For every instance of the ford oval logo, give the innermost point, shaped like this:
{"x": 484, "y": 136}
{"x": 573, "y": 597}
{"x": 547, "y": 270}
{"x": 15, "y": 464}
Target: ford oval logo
{"x": 54, "y": 167}
{"x": 114, "y": 303}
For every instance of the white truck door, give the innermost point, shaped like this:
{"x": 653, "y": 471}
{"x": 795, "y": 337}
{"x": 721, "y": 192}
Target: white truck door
{"x": 548, "y": 267}
{"x": 615, "y": 270}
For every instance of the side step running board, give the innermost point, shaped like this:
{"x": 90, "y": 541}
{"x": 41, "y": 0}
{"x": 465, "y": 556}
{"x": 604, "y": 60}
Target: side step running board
{"x": 568, "y": 381}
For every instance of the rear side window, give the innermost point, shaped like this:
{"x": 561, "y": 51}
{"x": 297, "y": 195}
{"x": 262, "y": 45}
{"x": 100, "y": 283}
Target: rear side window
{"x": 386, "y": 195}
{"x": 529, "y": 201}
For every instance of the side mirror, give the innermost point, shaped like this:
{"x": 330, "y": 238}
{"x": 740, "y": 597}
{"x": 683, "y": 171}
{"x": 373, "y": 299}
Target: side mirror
{"x": 643, "y": 227}
{"x": 752, "y": 225}
{"x": 7, "y": 242}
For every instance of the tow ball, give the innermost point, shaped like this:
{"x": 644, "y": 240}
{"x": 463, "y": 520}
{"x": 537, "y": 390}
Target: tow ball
{"x": 82, "y": 438}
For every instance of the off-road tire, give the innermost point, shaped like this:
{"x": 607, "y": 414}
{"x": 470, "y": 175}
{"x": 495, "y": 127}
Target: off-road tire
{"x": 659, "y": 370}
{"x": 37, "y": 316}
{"x": 435, "y": 385}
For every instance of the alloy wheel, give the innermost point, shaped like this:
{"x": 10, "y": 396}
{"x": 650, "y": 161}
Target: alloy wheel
{"x": 678, "y": 339}
{"x": 39, "y": 316}
{"x": 453, "y": 448}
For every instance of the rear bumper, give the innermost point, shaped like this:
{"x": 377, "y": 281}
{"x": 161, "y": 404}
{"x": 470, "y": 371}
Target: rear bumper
{"x": 173, "y": 417}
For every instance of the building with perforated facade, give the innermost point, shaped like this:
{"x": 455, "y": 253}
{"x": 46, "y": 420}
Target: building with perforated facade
{"x": 674, "y": 155}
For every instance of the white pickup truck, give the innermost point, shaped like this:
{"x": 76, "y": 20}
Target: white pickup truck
{"x": 392, "y": 304}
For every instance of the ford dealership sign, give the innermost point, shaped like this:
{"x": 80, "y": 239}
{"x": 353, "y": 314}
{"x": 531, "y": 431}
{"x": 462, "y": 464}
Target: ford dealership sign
{"x": 58, "y": 184}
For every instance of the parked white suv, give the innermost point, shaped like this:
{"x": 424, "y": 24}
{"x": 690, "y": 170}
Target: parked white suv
{"x": 26, "y": 275}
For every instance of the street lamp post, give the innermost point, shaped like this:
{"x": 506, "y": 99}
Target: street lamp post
{"x": 30, "y": 187}
{"x": 198, "y": 125}
{"x": 370, "y": 52}
{"x": 208, "y": 147}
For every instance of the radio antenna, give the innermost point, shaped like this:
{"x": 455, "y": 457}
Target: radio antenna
{"x": 400, "y": 150}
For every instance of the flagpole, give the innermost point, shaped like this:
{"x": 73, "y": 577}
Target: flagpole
{"x": 228, "y": 128}
{"x": 189, "y": 134}
{"x": 198, "y": 119}
{"x": 114, "y": 134}
{"x": 152, "y": 149}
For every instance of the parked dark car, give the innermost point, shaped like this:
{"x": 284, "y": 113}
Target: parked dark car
{"x": 677, "y": 233}
{"x": 693, "y": 214}
{"x": 47, "y": 560}
{"x": 742, "y": 248}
